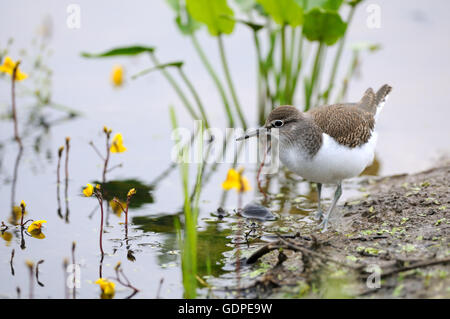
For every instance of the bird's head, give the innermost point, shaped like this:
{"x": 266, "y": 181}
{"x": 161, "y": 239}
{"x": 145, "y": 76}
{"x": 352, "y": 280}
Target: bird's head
{"x": 282, "y": 118}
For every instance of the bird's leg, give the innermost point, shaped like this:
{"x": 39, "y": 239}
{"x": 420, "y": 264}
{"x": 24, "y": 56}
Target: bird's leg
{"x": 337, "y": 195}
{"x": 319, "y": 213}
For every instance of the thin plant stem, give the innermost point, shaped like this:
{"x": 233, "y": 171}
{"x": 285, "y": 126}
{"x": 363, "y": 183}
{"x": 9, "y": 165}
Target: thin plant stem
{"x": 15, "y": 176}
{"x": 65, "y": 265}
{"x": 265, "y": 83}
{"x": 300, "y": 62}
{"x": 284, "y": 66}
{"x": 230, "y": 81}
{"x": 66, "y": 188}
{"x": 338, "y": 56}
{"x": 126, "y": 213}
{"x": 108, "y": 153}
{"x": 16, "y": 135}
{"x": 195, "y": 95}
{"x": 288, "y": 69}
{"x": 96, "y": 150}
{"x": 74, "y": 295}
{"x": 314, "y": 76}
{"x": 215, "y": 78}
{"x": 31, "y": 271}
{"x": 350, "y": 73}
{"x": 176, "y": 87}
{"x": 100, "y": 201}
{"x": 13, "y": 103}
{"x": 22, "y": 213}
{"x": 58, "y": 180}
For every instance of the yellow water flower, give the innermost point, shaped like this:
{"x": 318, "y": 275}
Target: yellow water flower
{"x": 117, "y": 144}
{"x": 89, "y": 190}
{"x": 107, "y": 130}
{"x": 35, "y": 229}
{"x": 97, "y": 186}
{"x": 131, "y": 192}
{"x": 8, "y": 67}
{"x": 7, "y": 236}
{"x": 117, "y": 75}
{"x": 36, "y": 225}
{"x": 108, "y": 288}
{"x": 16, "y": 215}
{"x": 236, "y": 180}
{"x": 22, "y": 204}
{"x": 116, "y": 207}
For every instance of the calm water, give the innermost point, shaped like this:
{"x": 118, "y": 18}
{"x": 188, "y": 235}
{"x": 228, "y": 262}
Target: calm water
{"x": 413, "y": 133}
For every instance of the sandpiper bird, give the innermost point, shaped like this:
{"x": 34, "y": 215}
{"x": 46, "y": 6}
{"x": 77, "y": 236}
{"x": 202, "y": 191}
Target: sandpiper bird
{"x": 329, "y": 143}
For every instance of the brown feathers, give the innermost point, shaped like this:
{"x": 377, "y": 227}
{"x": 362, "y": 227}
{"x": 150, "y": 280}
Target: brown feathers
{"x": 367, "y": 102}
{"x": 349, "y": 125}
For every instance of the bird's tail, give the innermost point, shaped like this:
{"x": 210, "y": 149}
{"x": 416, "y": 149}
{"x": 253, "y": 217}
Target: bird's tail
{"x": 373, "y": 102}
{"x": 381, "y": 97}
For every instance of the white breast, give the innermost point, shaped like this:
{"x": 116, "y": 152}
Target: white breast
{"x": 332, "y": 163}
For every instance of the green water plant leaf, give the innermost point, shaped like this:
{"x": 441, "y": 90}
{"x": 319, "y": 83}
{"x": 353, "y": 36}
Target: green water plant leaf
{"x": 120, "y": 188}
{"x": 128, "y": 51}
{"x": 176, "y": 64}
{"x": 246, "y": 5}
{"x": 283, "y": 12}
{"x": 323, "y": 26}
{"x": 254, "y": 26}
{"x": 332, "y": 5}
{"x": 212, "y": 13}
{"x": 184, "y": 21}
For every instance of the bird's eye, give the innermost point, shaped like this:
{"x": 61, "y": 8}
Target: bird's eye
{"x": 277, "y": 123}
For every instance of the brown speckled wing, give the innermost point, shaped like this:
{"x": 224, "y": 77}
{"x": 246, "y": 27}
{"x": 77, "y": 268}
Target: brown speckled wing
{"x": 348, "y": 124}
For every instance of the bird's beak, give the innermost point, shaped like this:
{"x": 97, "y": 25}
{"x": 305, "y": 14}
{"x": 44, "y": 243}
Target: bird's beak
{"x": 257, "y": 132}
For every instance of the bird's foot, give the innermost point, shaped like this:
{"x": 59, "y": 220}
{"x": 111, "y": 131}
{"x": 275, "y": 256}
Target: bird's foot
{"x": 323, "y": 225}
{"x": 318, "y": 215}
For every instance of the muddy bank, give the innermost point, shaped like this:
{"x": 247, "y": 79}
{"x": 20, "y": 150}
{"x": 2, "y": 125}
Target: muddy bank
{"x": 393, "y": 242}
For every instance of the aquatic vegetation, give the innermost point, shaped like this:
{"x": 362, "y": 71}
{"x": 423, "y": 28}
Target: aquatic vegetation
{"x": 107, "y": 287}
{"x": 117, "y": 144}
{"x": 290, "y": 28}
{"x": 22, "y": 213}
{"x": 88, "y": 191}
{"x": 191, "y": 210}
{"x": 117, "y": 75}
{"x": 35, "y": 229}
{"x": 122, "y": 279}
{"x": 236, "y": 180}
{"x": 114, "y": 146}
{"x": 130, "y": 194}
{"x": 12, "y": 68}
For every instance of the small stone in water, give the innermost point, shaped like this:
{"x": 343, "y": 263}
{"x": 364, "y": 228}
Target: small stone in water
{"x": 255, "y": 211}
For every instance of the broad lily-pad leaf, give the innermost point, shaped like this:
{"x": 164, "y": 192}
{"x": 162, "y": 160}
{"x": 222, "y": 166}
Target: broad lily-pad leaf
{"x": 323, "y": 26}
{"x": 283, "y": 12}
{"x": 186, "y": 24}
{"x": 212, "y": 13}
{"x": 176, "y": 64}
{"x": 128, "y": 51}
{"x": 332, "y": 5}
